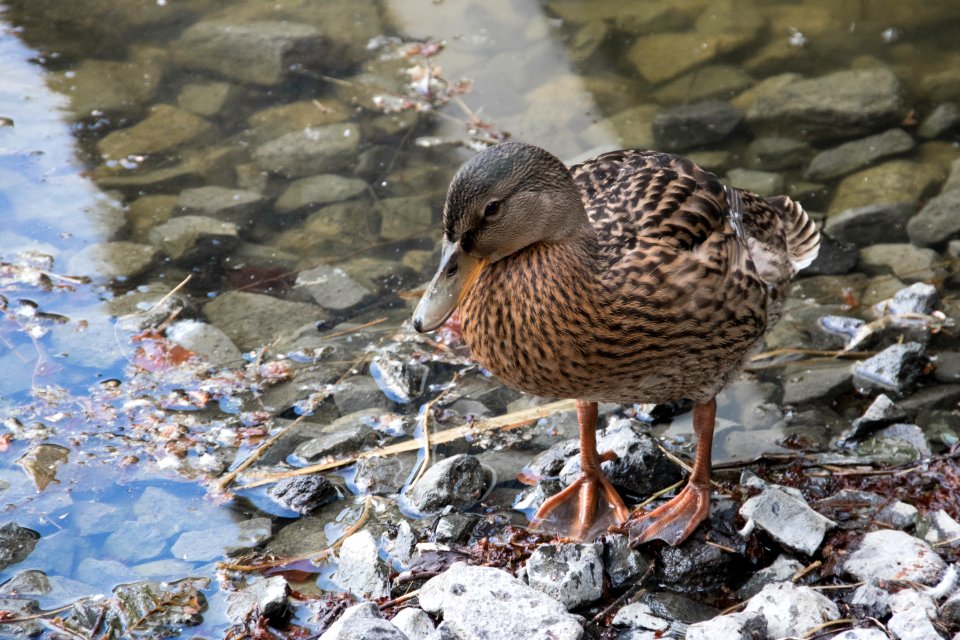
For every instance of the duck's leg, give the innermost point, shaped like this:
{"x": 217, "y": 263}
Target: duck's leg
{"x": 673, "y": 521}
{"x": 591, "y": 481}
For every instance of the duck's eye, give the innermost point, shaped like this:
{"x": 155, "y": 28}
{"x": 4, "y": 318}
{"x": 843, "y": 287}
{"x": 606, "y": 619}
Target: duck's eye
{"x": 491, "y": 209}
{"x": 452, "y": 270}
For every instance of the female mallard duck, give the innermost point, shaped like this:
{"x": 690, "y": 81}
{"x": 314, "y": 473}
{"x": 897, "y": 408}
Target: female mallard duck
{"x": 635, "y": 276}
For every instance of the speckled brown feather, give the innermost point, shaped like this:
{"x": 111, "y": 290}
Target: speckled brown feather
{"x": 680, "y": 280}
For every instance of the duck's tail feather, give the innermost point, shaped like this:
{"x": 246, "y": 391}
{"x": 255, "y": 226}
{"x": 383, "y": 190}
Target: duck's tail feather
{"x": 802, "y": 236}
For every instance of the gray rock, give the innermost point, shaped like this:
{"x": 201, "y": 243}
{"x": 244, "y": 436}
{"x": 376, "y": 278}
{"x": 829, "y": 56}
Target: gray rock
{"x": 791, "y": 610}
{"x": 866, "y": 633}
{"x": 938, "y": 221}
{"x": 897, "y": 180}
{"x": 358, "y": 393}
{"x": 109, "y": 86}
{"x": 778, "y": 154}
{"x": 898, "y": 515}
{"x": 164, "y": 130}
{"x": 332, "y": 288}
{"x": 135, "y": 541}
{"x": 804, "y": 384}
{"x": 458, "y": 480}
{"x": 907, "y": 262}
{"x": 267, "y": 596}
{"x": 26, "y": 611}
{"x": 948, "y": 366}
{"x": 381, "y": 475}
{"x": 735, "y": 626}
{"x": 404, "y": 217}
{"x": 881, "y": 412}
{"x": 950, "y": 610}
{"x": 674, "y": 606}
{"x": 851, "y": 156}
{"x": 715, "y": 81}
{"x": 864, "y": 226}
{"x": 210, "y": 544}
{"x": 837, "y": 105}
{"x": 16, "y": 543}
{"x": 943, "y": 531}
{"x": 360, "y": 569}
{"x": 910, "y": 434}
{"x": 919, "y": 297}
{"x": 570, "y": 573}
{"x": 479, "y": 603}
{"x": 895, "y": 369}
{"x": 362, "y": 622}
{"x": 311, "y": 151}
{"x": 622, "y": 563}
{"x": 304, "y": 494}
{"x": 913, "y": 624}
{"x": 765, "y": 183}
{"x": 944, "y": 117}
{"x": 695, "y": 125}
{"x": 894, "y": 555}
{"x": 402, "y": 379}
{"x": 261, "y": 52}
{"x": 650, "y": 54}
{"x": 788, "y": 519}
{"x": 252, "y": 319}
{"x": 112, "y": 260}
{"x": 192, "y": 239}
{"x": 29, "y": 582}
{"x": 639, "y": 616}
{"x": 782, "y": 569}
{"x": 833, "y": 258}
{"x": 316, "y": 191}
{"x": 870, "y": 599}
{"x": 207, "y": 340}
{"x": 414, "y": 623}
{"x": 694, "y": 566}
{"x": 239, "y": 206}
{"x": 346, "y": 439}
{"x": 208, "y": 98}
{"x": 335, "y": 230}
{"x": 453, "y": 526}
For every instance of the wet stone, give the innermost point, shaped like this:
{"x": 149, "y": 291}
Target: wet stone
{"x": 478, "y": 602}
{"x": 146, "y": 212}
{"x": 453, "y": 526}
{"x": 895, "y": 369}
{"x": 944, "y": 117}
{"x": 333, "y": 231}
{"x": 24, "y": 610}
{"x": 165, "y": 129}
{"x": 622, "y": 563}
{"x": 805, "y": 384}
{"x": 791, "y": 610}
{"x": 346, "y": 439}
{"x": 332, "y": 288}
{"x": 788, "y": 519}
{"x": 29, "y": 582}
{"x": 191, "y": 239}
{"x": 919, "y": 298}
{"x": 834, "y": 258}
{"x": 570, "y": 573}
{"x": 239, "y": 206}
{"x": 943, "y": 530}
{"x": 639, "y": 616}
{"x": 673, "y": 606}
{"x": 892, "y": 181}
{"x": 764, "y": 183}
{"x": 458, "y": 481}
{"x": 910, "y": 434}
{"x": 400, "y": 379}
{"x": 16, "y": 543}
{"x": 864, "y": 226}
{"x": 833, "y": 106}
{"x": 207, "y": 99}
{"x": 898, "y": 515}
{"x": 266, "y": 596}
{"x": 777, "y": 154}
{"x": 304, "y": 494}
{"x": 360, "y": 569}
{"x": 112, "y": 260}
{"x": 881, "y": 412}
{"x": 109, "y": 86}
{"x": 310, "y": 151}
{"x": 782, "y": 570}
{"x": 649, "y": 54}
{"x": 848, "y": 157}
{"x": 414, "y": 623}
{"x": 362, "y": 622}
{"x": 404, "y": 217}
{"x": 317, "y": 191}
{"x": 359, "y": 393}
{"x": 380, "y": 475}
{"x": 207, "y": 340}
{"x": 735, "y": 626}
{"x": 894, "y": 555}
{"x": 938, "y": 221}
{"x": 253, "y": 319}
{"x": 695, "y": 125}
{"x": 907, "y": 262}
{"x": 694, "y": 566}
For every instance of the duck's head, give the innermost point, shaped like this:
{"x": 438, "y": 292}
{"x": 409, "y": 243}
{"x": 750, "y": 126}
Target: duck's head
{"x": 503, "y": 200}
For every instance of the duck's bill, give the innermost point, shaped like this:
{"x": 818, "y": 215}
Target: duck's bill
{"x": 456, "y": 274}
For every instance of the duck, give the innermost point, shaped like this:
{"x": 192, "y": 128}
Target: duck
{"x": 632, "y": 277}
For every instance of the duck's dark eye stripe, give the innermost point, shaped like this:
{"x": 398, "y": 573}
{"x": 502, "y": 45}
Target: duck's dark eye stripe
{"x": 492, "y": 207}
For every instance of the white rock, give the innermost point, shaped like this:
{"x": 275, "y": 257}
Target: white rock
{"x": 943, "y": 529}
{"x": 639, "y": 616}
{"x": 912, "y": 624}
{"x": 481, "y": 603}
{"x": 414, "y": 622}
{"x": 788, "y": 519}
{"x": 362, "y": 622}
{"x": 861, "y": 634}
{"x": 360, "y": 569}
{"x": 736, "y": 626}
{"x": 911, "y": 599}
{"x": 894, "y": 555}
{"x": 871, "y": 599}
{"x": 791, "y": 610}
{"x": 570, "y": 573}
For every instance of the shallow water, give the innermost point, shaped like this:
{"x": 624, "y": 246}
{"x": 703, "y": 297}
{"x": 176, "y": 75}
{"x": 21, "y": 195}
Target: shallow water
{"x": 574, "y": 77}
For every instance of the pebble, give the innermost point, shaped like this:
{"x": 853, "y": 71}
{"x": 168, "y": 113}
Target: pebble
{"x": 881, "y": 412}
{"x": 694, "y": 566}
{"x": 109, "y": 86}
{"x": 332, "y": 288}
{"x": 850, "y": 156}
{"x": 735, "y": 626}
{"x": 912, "y": 624}
{"x": 402, "y": 379}
{"x": 773, "y": 153}
{"x": 206, "y": 340}
{"x": 870, "y": 599}
{"x": 907, "y": 262}
{"x": 638, "y": 615}
{"x": 313, "y": 150}
{"x": 360, "y": 570}
{"x": 894, "y": 555}
{"x": 165, "y": 129}
{"x": 267, "y": 596}
{"x": 304, "y": 493}
{"x": 861, "y": 634}
{"x": 944, "y": 117}
{"x": 484, "y": 602}
{"x": 937, "y": 221}
{"x": 253, "y": 319}
{"x": 919, "y": 298}
{"x": 895, "y": 369}
{"x": 359, "y": 393}
{"x": 16, "y": 543}
{"x": 118, "y": 260}
{"x": 622, "y": 563}
{"x": 944, "y": 530}
{"x": 910, "y": 434}
{"x": 454, "y": 526}
{"x": 898, "y": 515}
{"x": 362, "y": 622}
{"x": 343, "y": 437}
{"x": 193, "y": 239}
{"x": 864, "y": 226}
{"x": 891, "y": 181}
{"x": 791, "y": 610}
{"x": 238, "y": 206}
{"x": 674, "y": 606}
{"x": 569, "y": 573}
{"x": 316, "y": 191}
{"x": 380, "y": 475}
{"x": 414, "y": 623}
{"x": 695, "y": 125}
{"x": 207, "y": 99}
{"x": 404, "y": 217}
{"x": 200, "y": 545}
{"x": 781, "y": 570}
{"x": 458, "y": 480}
{"x": 788, "y": 519}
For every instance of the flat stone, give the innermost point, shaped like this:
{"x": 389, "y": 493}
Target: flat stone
{"x": 694, "y": 125}
{"x": 350, "y": 437}
{"x": 165, "y": 129}
{"x": 414, "y": 623}
{"x": 791, "y": 610}
{"x": 206, "y": 545}
{"x": 334, "y": 230}
{"x": 363, "y": 622}
{"x": 458, "y": 480}
{"x": 872, "y": 224}
{"x": 904, "y": 260}
{"x": 735, "y": 626}
{"x": 837, "y": 105}
{"x": 913, "y": 624}
{"x": 892, "y": 181}
{"x": 479, "y": 603}
{"x": 316, "y": 191}
{"x": 633, "y": 127}
{"x": 773, "y": 153}
{"x": 898, "y": 515}
{"x": 252, "y": 319}
{"x": 112, "y": 260}
{"x": 638, "y": 615}
{"x": 207, "y": 99}
{"x": 272, "y": 122}
{"x": 938, "y": 221}
{"x": 206, "y": 340}
{"x": 895, "y": 369}
{"x": 403, "y": 218}
{"x": 238, "y": 206}
{"x": 788, "y": 519}
{"x": 262, "y": 52}
{"x": 765, "y": 183}
{"x": 805, "y": 383}
{"x": 894, "y": 555}
{"x": 677, "y": 607}
{"x": 268, "y": 596}
{"x": 944, "y": 530}
{"x": 910, "y": 434}
{"x": 715, "y": 81}
{"x": 381, "y": 475}
{"x": 192, "y": 239}
{"x": 944, "y": 117}
{"x": 332, "y": 288}
{"x": 146, "y": 212}
{"x": 310, "y": 151}
{"x": 304, "y": 494}
{"x": 109, "y": 86}
{"x": 848, "y": 157}
{"x": 360, "y": 569}
{"x": 358, "y": 393}
{"x": 570, "y": 573}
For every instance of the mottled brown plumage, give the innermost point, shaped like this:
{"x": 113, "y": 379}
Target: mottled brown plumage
{"x": 635, "y": 276}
